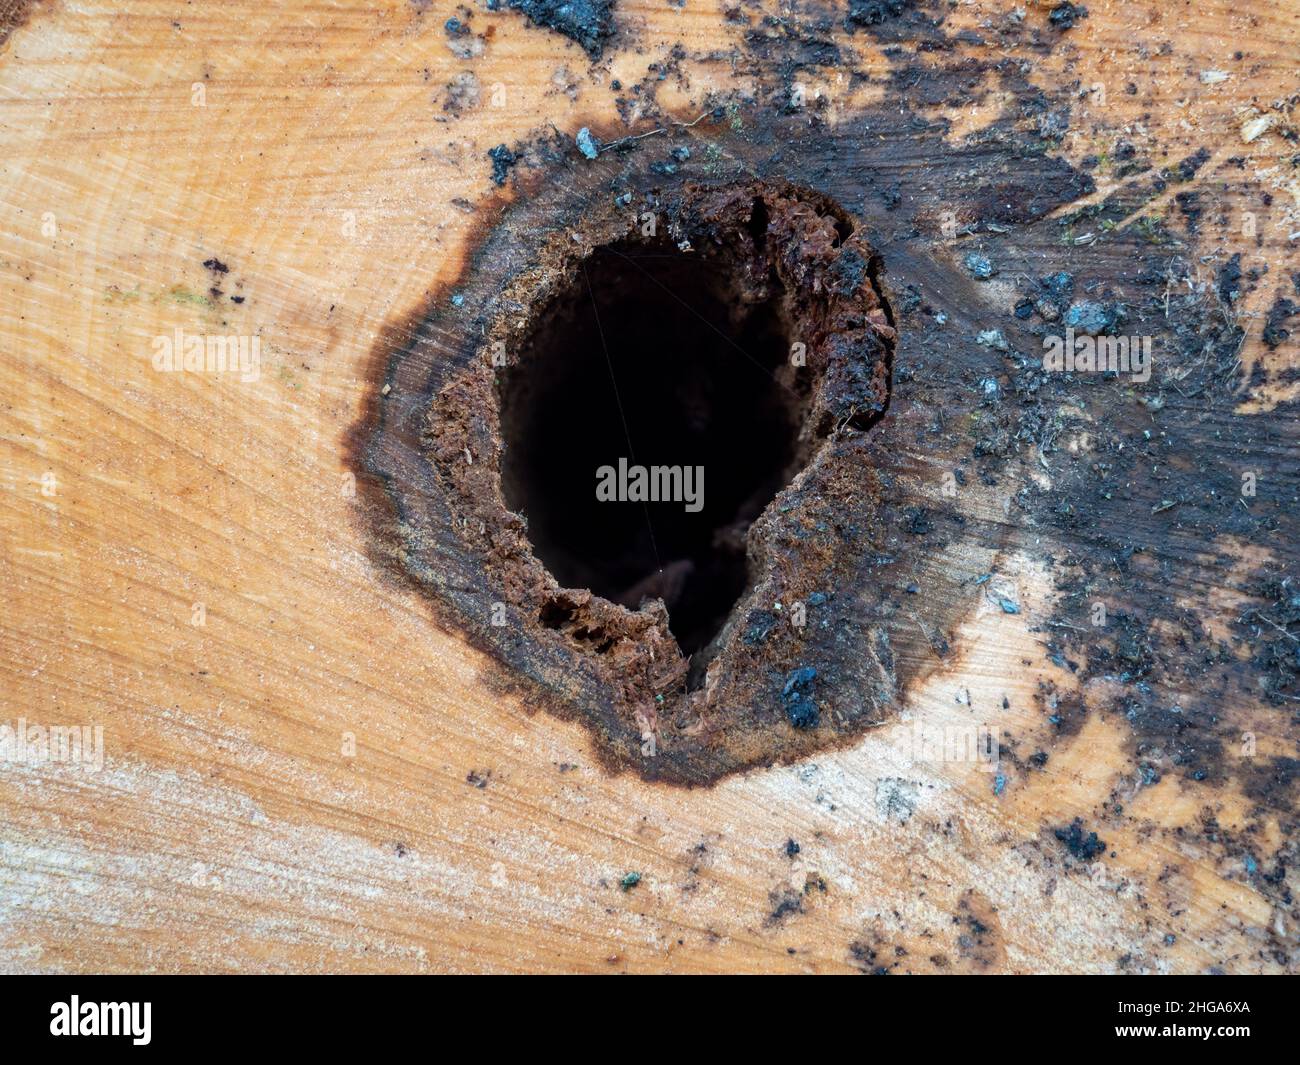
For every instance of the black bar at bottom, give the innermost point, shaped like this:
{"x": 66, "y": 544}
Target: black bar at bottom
{"x": 338, "y": 1014}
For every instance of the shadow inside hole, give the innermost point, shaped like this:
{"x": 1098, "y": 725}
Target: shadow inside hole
{"x": 661, "y": 358}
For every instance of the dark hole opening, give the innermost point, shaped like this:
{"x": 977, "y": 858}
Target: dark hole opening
{"x": 663, "y": 359}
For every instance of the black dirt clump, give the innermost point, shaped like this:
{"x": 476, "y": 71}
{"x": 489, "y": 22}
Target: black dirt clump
{"x": 1187, "y": 168}
{"x": 1189, "y": 202}
{"x": 784, "y": 903}
{"x": 502, "y": 160}
{"x": 1063, "y": 16}
{"x": 874, "y": 12}
{"x": 1230, "y": 279}
{"x": 1085, "y": 848}
{"x": 853, "y": 389}
{"x": 588, "y": 22}
{"x": 797, "y": 696}
{"x": 1274, "y": 326}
